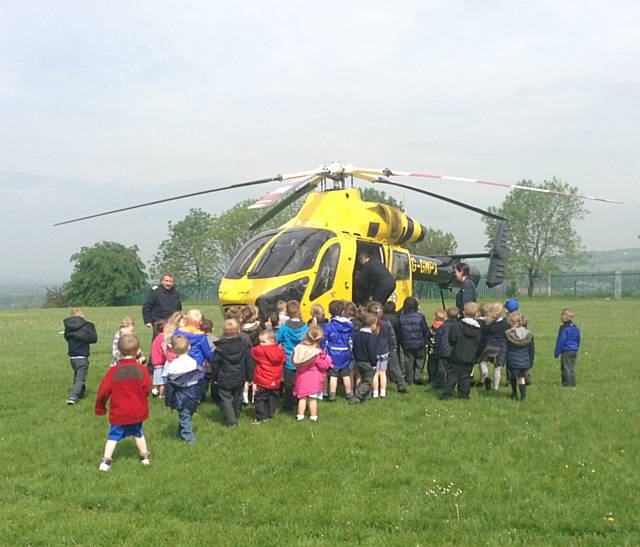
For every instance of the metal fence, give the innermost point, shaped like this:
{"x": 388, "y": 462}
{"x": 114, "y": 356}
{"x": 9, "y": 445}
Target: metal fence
{"x": 606, "y": 285}
{"x": 589, "y": 284}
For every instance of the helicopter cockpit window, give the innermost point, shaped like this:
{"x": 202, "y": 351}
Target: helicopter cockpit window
{"x": 326, "y": 271}
{"x": 400, "y": 265}
{"x": 245, "y": 256}
{"x": 294, "y": 251}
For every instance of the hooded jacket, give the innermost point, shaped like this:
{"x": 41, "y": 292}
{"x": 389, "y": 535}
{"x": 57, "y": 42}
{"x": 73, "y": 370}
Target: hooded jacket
{"x": 269, "y": 361}
{"x": 520, "y": 348}
{"x": 232, "y": 363}
{"x": 200, "y": 348}
{"x": 79, "y": 333}
{"x": 568, "y": 338}
{"x": 464, "y": 338}
{"x": 338, "y": 341}
{"x": 289, "y": 336}
{"x": 414, "y": 332}
{"x": 311, "y": 363}
{"x": 252, "y": 330}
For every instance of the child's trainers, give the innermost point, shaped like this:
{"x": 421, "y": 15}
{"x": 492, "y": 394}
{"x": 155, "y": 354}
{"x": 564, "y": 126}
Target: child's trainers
{"x": 105, "y": 464}
{"x": 155, "y": 392}
{"x": 145, "y": 459}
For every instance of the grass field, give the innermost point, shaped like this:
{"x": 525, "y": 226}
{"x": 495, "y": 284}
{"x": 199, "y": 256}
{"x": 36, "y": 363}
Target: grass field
{"x": 409, "y": 470}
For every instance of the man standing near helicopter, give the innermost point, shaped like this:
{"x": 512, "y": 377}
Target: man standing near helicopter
{"x": 375, "y": 282}
{"x": 161, "y": 302}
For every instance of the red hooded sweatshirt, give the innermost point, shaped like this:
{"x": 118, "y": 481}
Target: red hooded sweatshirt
{"x": 269, "y": 362}
{"x": 127, "y": 385}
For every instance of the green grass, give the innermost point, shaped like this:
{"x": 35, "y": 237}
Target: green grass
{"x": 546, "y": 471}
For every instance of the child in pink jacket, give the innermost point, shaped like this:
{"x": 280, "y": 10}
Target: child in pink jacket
{"x": 311, "y": 363}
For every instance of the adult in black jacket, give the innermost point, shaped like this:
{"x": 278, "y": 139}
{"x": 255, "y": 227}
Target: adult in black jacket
{"x": 79, "y": 334}
{"x": 467, "y": 291}
{"x": 375, "y": 282}
{"x": 162, "y": 301}
{"x": 232, "y": 364}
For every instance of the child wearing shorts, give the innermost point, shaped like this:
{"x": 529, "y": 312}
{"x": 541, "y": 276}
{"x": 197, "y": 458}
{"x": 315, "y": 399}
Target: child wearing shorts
{"x": 127, "y": 386}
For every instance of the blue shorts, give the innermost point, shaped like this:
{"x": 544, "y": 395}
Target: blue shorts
{"x": 119, "y": 432}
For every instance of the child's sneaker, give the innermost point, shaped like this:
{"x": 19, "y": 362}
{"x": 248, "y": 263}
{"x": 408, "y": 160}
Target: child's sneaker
{"x": 145, "y": 459}
{"x": 299, "y": 417}
{"x": 105, "y": 465}
{"x": 71, "y": 402}
{"x": 154, "y": 392}
{"x": 245, "y": 398}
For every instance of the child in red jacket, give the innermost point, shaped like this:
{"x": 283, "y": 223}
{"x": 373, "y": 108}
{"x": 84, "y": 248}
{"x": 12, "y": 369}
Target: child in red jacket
{"x": 127, "y": 385}
{"x": 267, "y": 375}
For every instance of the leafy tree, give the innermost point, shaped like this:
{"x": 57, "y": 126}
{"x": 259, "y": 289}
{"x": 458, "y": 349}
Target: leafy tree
{"x": 55, "y": 297}
{"x": 190, "y": 252}
{"x": 377, "y": 196}
{"x": 104, "y": 273}
{"x": 201, "y": 246}
{"x": 542, "y": 238}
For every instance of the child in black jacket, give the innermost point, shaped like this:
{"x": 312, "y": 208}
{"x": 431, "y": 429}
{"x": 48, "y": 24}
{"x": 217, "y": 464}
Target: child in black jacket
{"x": 365, "y": 354}
{"x": 232, "y": 365}
{"x": 464, "y": 338}
{"x": 79, "y": 334}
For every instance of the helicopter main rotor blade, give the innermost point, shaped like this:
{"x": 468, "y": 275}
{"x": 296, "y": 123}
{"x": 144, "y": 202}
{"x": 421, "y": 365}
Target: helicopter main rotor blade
{"x": 311, "y": 183}
{"x": 283, "y": 190}
{"x": 443, "y": 198}
{"x": 183, "y": 196}
{"x": 390, "y": 173}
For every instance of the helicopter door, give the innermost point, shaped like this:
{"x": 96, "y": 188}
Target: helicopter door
{"x": 402, "y": 274}
{"x": 376, "y": 252}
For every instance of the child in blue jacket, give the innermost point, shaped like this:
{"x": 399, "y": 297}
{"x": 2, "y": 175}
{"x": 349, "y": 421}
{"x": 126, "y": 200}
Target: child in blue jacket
{"x": 337, "y": 344}
{"x": 567, "y": 347}
{"x": 289, "y": 335}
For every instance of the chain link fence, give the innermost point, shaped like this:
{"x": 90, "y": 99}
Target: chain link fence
{"x": 605, "y": 285}
{"x": 588, "y": 284}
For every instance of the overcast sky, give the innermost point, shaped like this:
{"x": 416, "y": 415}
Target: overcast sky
{"x": 104, "y": 104}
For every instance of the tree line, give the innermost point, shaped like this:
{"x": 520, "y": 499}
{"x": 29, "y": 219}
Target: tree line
{"x": 200, "y": 247}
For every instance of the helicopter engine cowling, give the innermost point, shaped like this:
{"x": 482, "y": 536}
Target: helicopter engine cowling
{"x": 395, "y": 226}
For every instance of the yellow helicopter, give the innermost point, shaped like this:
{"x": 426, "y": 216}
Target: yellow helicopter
{"x": 312, "y": 257}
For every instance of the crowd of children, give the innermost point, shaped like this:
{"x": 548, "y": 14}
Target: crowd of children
{"x": 258, "y": 362}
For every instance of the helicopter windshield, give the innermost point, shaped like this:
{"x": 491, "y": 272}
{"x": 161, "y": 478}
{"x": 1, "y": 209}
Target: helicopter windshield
{"x": 245, "y": 256}
{"x": 294, "y": 251}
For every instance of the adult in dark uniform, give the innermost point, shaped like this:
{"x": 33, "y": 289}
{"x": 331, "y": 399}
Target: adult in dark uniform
{"x": 467, "y": 291}
{"x": 162, "y": 301}
{"x": 375, "y": 282}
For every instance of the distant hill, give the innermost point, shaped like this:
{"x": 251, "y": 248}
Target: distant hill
{"x": 618, "y": 259}
{"x": 13, "y": 295}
